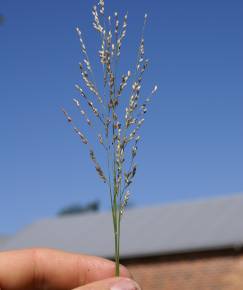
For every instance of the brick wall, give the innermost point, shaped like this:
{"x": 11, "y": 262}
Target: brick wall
{"x": 208, "y": 271}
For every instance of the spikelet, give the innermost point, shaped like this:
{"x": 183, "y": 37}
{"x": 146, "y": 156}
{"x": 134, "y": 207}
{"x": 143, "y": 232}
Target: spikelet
{"x": 96, "y": 23}
{"x": 83, "y": 113}
{"x": 102, "y": 51}
{"x": 69, "y": 119}
{"x": 154, "y": 89}
{"x": 144, "y": 107}
{"x": 102, "y": 7}
{"x": 133, "y": 102}
{"x": 125, "y": 201}
{"x": 100, "y": 139}
{"x": 89, "y": 83}
{"x": 76, "y": 130}
{"x": 123, "y": 83}
{"x": 130, "y": 175}
{"x": 83, "y": 47}
{"x": 116, "y": 25}
{"x": 90, "y": 104}
{"x": 97, "y": 166}
{"x": 81, "y": 135}
{"x": 122, "y": 36}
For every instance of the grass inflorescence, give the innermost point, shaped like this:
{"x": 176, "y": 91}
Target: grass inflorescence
{"x": 118, "y": 132}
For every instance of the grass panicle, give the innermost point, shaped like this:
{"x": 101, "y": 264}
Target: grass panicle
{"x": 117, "y": 132}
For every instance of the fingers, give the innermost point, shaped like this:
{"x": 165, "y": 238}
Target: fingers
{"x": 111, "y": 284}
{"x": 52, "y": 269}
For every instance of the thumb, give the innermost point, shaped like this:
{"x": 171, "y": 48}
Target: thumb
{"x": 111, "y": 284}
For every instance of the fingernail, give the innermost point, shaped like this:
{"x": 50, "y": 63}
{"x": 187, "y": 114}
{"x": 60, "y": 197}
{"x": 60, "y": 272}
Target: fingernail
{"x": 125, "y": 284}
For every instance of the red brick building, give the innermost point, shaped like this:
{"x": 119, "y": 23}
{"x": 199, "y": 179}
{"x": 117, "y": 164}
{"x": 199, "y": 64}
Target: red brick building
{"x": 213, "y": 270}
{"x": 196, "y": 245}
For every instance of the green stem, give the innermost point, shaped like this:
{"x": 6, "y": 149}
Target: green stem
{"x": 118, "y": 241}
{"x": 116, "y": 225}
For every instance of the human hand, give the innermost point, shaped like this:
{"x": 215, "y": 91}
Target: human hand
{"x": 57, "y": 270}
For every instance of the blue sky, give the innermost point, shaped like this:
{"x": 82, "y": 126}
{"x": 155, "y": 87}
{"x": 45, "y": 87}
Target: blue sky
{"x": 192, "y": 139}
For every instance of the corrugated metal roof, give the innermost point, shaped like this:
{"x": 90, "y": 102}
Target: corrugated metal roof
{"x": 173, "y": 228}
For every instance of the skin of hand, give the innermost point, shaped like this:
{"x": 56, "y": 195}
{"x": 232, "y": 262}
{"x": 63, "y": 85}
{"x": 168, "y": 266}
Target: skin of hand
{"x": 51, "y": 269}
